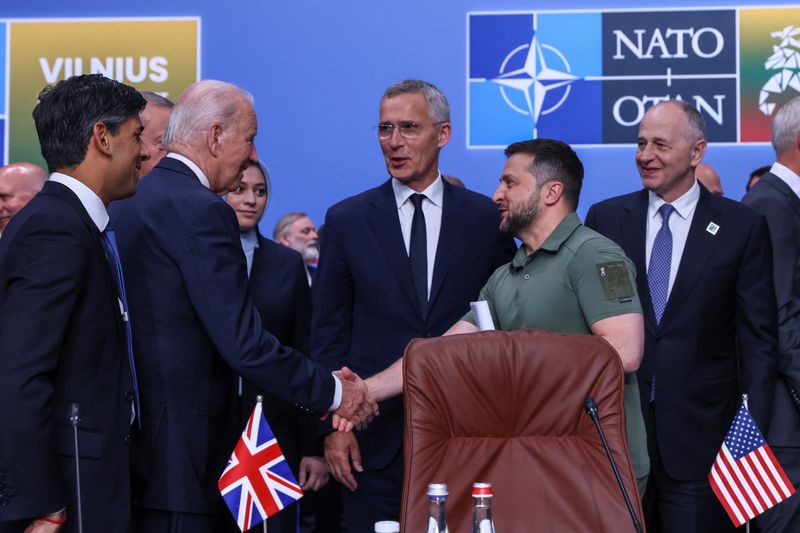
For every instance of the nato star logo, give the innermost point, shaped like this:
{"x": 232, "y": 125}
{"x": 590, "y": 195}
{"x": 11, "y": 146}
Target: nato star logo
{"x": 529, "y": 78}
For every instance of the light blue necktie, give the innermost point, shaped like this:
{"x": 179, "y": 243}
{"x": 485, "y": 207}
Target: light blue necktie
{"x": 660, "y": 264}
{"x": 112, "y": 253}
{"x": 658, "y": 272}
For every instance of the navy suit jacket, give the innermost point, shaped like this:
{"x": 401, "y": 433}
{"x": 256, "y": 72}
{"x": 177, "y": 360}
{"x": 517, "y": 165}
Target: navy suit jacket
{"x": 365, "y": 304}
{"x": 61, "y": 342}
{"x": 195, "y": 329}
{"x": 280, "y": 292}
{"x": 718, "y": 336}
{"x": 781, "y": 207}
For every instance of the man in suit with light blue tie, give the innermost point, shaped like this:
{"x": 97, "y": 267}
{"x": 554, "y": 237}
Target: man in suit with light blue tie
{"x": 777, "y": 197}
{"x": 399, "y": 261}
{"x": 704, "y": 267}
{"x": 64, "y": 330}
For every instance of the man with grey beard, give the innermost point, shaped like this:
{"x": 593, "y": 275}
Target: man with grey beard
{"x": 295, "y": 230}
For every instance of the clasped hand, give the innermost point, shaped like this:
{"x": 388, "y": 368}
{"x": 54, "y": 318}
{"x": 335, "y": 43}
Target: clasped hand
{"x": 358, "y": 406}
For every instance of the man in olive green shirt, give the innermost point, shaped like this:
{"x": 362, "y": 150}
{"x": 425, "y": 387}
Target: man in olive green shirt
{"x": 565, "y": 278}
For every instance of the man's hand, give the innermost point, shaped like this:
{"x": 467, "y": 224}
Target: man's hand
{"x": 314, "y": 473}
{"x": 47, "y": 524}
{"x": 358, "y": 407}
{"x": 340, "y": 449}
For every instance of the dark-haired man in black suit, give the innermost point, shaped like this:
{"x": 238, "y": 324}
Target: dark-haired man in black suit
{"x": 704, "y": 269}
{"x": 62, "y": 335}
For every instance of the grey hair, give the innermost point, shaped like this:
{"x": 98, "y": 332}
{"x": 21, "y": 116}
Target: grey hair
{"x": 438, "y": 108}
{"x": 202, "y": 105}
{"x": 282, "y": 226}
{"x": 157, "y": 100}
{"x": 786, "y": 126}
{"x": 693, "y": 117}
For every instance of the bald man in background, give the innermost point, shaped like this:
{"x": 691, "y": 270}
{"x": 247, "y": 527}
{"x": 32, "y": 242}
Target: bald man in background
{"x": 706, "y": 175}
{"x": 19, "y": 182}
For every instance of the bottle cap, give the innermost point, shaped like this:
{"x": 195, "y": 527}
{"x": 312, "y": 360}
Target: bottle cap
{"x": 387, "y": 526}
{"x": 482, "y": 489}
{"x": 437, "y": 489}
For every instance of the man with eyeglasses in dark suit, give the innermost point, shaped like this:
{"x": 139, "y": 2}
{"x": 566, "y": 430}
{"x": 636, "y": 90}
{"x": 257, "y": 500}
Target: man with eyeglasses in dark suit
{"x": 398, "y": 261}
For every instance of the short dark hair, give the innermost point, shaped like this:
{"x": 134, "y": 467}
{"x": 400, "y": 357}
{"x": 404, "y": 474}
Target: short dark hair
{"x": 67, "y": 112}
{"x": 553, "y": 161}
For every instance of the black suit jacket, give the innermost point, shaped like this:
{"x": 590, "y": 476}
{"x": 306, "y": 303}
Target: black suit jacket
{"x": 781, "y": 207}
{"x": 61, "y": 342}
{"x": 365, "y": 304}
{"x": 717, "y": 338}
{"x": 195, "y": 329}
{"x": 280, "y": 292}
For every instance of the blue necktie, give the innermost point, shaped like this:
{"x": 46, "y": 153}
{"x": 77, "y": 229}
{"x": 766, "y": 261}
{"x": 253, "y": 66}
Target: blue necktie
{"x": 658, "y": 273}
{"x": 418, "y": 253}
{"x": 112, "y": 253}
{"x": 660, "y": 263}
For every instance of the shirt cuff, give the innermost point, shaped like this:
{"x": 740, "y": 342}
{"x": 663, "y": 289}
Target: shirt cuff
{"x": 337, "y": 395}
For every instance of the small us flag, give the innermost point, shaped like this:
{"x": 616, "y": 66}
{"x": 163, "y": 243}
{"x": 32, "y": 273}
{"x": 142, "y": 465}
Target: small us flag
{"x": 257, "y": 483}
{"x": 746, "y": 477}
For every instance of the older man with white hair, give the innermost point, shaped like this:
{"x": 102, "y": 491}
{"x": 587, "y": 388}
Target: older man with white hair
{"x": 777, "y": 197}
{"x": 194, "y": 324}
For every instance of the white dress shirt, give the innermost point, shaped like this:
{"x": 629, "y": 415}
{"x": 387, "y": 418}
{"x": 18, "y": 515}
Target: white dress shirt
{"x": 189, "y": 163}
{"x": 90, "y": 201}
{"x": 431, "y": 208}
{"x": 788, "y": 176}
{"x": 679, "y": 223}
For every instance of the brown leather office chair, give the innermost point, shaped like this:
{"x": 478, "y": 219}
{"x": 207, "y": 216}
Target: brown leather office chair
{"x": 508, "y": 408}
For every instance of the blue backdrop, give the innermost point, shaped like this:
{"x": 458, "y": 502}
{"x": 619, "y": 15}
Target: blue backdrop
{"x": 317, "y": 70}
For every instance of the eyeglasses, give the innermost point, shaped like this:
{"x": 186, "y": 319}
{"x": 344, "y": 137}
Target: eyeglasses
{"x": 407, "y": 129}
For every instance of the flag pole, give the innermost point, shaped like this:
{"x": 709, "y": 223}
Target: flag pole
{"x": 744, "y": 401}
{"x": 260, "y": 400}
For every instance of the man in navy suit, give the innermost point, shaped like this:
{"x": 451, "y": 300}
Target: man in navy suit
{"x": 705, "y": 281}
{"x": 195, "y": 327}
{"x": 62, "y": 336}
{"x": 777, "y": 197}
{"x": 399, "y": 261}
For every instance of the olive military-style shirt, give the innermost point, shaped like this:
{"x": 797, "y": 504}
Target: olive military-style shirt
{"x": 576, "y": 278}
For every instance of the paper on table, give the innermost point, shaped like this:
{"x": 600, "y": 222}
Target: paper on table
{"x": 482, "y": 315}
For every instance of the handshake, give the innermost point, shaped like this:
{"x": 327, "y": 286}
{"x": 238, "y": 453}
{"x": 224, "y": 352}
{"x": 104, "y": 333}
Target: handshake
{"x": 358, "y": 405}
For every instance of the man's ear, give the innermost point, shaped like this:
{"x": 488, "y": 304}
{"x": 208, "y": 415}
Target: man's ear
{"x": 213, "y": 136}
{"x": 553, "y": 191}
{"x": 101, "y": 138}
{"x": 698, "y": 150}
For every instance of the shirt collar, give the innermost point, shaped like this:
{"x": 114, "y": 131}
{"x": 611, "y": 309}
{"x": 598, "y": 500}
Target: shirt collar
{"x": 684, "y": 206}
{"x": 90, "y": 201}
{"x": 552, "y": 243}
{"x": 189, "y": 163}
{"x": 249, "y": 239}
{"x": 787, "y": 175}
{"x": 434, "y": 192}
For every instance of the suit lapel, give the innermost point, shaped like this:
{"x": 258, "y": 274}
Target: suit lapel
{"x": 699, "y": 247}
{"x": 63, "y": 192}
{"x": 451, "y": 240}
{"x": 784, "y": 189}
{"x": 385, "y": 224}
{"x": 634, "y": 235}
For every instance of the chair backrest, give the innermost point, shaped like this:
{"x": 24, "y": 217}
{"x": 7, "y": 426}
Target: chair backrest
{"x": 507, "y": 408}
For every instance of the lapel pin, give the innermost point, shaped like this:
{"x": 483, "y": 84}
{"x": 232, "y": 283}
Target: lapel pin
{"x": 712, "y": 228}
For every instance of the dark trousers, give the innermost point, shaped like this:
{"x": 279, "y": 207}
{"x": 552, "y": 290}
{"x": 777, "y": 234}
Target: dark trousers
{"x": 157, "y": 521}
{"x": 677, "y": 506}
{"x": 376, "y": 498}
{"x": 786, "y": 515}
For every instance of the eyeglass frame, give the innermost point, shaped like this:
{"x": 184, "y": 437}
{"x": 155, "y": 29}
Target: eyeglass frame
{"x": 404, "y": 124}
